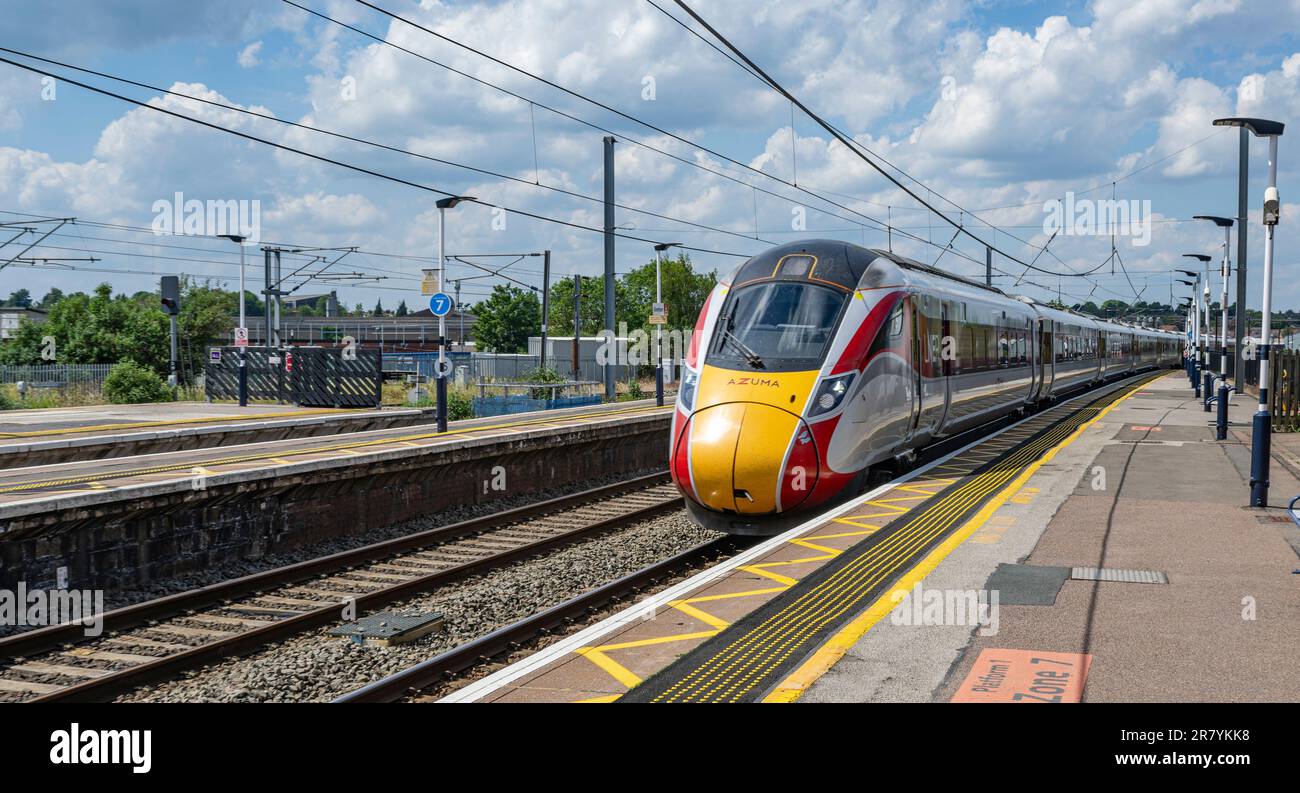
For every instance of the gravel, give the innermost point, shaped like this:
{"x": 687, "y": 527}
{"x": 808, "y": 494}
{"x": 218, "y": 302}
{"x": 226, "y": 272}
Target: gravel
{"x": 314, "y": 667}
{"x": 243, "y": 567}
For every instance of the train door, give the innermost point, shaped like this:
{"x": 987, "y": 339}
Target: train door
{"x": 928, "y": 359}
{"x": 1047, "y": 355}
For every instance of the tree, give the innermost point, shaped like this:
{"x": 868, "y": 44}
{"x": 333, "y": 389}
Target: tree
{"x": 401, "y": 309}
{"x": 592, "y": 307}
{"x": 504, "y": 321}
{"x": 683, "y": 289}
{"x": 379, "y": 309}
{"x": 207, "y": 318}
{"x": 19, "y": 299}
{"x": 51, "y": 297}
{"x": 98, "y": 328}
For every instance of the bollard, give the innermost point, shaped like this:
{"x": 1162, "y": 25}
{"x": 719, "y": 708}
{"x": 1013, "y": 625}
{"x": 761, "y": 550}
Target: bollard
{"x": 1221, "y": 420}
{"x": 1208, "y": 389}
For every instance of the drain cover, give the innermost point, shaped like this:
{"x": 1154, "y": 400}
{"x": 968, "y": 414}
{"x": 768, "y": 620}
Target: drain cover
{"x": 386, "y": 628}
{"x": 1115, "y": 574}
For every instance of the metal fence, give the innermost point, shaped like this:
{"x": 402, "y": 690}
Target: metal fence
{"x": 56, "y": 373}
{"x": 1284, "y": 389}
{"x": 497, "y": 366}
{"x": 320, "y": 376}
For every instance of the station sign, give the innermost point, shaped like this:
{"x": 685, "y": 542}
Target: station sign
{"x": 440, "y": 304}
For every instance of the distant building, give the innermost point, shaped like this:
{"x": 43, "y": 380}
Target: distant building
{"x": 414, "y": 332}
{"x": 12, "y": 317}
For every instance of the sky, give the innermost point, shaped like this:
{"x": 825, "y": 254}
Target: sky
{"x": 990, "y": 111}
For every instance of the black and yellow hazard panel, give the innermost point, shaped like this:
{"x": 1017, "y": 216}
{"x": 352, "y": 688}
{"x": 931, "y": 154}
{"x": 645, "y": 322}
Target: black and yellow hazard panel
{"x": 755, "y": 654}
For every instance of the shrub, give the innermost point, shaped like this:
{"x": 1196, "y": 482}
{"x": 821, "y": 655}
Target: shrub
{"x": 130, "y": 383}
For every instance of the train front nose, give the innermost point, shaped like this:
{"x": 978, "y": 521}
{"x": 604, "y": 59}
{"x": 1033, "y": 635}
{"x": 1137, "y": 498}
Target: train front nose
{"x": 739, "y": 462}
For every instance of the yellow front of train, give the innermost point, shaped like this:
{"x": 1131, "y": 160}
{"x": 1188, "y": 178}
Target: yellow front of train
{"x": 742, "y": 448}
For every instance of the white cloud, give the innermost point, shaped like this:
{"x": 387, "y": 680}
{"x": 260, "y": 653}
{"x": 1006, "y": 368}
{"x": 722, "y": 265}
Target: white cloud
{"x": 248, "y": 56}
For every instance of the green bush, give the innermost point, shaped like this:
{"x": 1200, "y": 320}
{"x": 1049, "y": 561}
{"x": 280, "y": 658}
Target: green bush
{"x": 130, "y": 383}
{"x": 7, "y": 402}
{"x": 459, "y": 405}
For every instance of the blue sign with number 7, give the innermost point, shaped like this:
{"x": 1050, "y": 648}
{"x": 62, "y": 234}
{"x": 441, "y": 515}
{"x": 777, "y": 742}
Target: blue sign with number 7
{"x": 440, "y": 304}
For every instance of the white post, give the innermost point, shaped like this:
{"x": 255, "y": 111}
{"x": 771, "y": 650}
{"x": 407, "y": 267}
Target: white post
{"x": 1266, "y": 331}
{"x": 241, "y": 286}
{"x": 1223, "y": 303}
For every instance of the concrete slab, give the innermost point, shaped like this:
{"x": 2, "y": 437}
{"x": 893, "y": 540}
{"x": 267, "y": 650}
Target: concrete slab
{"x": 1147, "y": 488}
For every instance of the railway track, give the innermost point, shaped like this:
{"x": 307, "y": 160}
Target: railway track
{"x": 161, "y": 638}
{"x": 413, "y": 681}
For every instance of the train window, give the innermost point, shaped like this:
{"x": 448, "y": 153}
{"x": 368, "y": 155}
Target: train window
{"x": 776, "y": 326}
{"x": 796, "y": 266}
{"x": 896, "y": 321}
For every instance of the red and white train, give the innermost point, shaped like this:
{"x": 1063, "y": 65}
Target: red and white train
{"x": 815, "y": 361}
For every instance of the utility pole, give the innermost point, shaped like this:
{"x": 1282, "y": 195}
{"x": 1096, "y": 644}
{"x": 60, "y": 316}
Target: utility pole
{"x": 611, "y": 329}
{"x": 266, "y": 297}
{"x": 459, "y": 311}
{"x": 1240, "y": 315}
{"x": 988, "y": 266}
{"x": 661, "y": 313}
{"x": 546, "y": 302}
{"x": 577, "y": 324}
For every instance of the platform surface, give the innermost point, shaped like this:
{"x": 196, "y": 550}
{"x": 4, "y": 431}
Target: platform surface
{"x": 87, "y": 482}
{"x": 1143, "y": 487}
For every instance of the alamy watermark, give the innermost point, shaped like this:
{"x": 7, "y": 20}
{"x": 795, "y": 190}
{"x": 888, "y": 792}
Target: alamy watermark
{"x": 930, "y": 607}
{"x": 211, "y": 218}
{"x": 1086, "y": 217}
{"x": 38, "y": 608}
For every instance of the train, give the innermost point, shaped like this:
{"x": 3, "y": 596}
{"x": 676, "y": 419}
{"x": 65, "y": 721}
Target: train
{"x": 815, "y": 362}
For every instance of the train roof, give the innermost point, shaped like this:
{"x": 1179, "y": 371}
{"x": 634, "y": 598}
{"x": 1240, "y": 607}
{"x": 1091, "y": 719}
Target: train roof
{"x": 842, "y": 265}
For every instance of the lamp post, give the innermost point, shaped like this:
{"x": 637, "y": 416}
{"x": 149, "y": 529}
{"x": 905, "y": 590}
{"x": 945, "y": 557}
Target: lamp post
{"x": 1225, "y": 272}
{"x": 243, "y": 370}
{"x": 1208, "y": 330}
{"x": 1258, "y": 126}
{"x": 441, "y": 385}
{"x": 1261, "y": 430}
{"x": 659, "y": 300}
{"x": 1194, "y": 371}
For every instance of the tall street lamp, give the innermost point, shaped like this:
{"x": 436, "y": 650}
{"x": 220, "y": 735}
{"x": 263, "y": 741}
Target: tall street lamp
{"x": 1258, "y": 126}
{"x": 1225, "y": 271}
{"x": 660, "y": 310}
{"x": 1194, "y": 371}
{"x": 243, "y": 370}
{"x": 1262, "y": 428}
{"x": 443, "y": 205}
{"x": 1207, "y": 335}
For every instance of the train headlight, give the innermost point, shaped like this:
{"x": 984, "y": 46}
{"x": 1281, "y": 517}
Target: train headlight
{"x": 686, "y": 392}
{"x": 831, "y": 393}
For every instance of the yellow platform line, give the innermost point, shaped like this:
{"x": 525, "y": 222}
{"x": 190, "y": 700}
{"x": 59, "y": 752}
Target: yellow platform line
{"x": 346, "y": 446}
{"x": 830, "y": 653}
{"x": 179, "y": 422}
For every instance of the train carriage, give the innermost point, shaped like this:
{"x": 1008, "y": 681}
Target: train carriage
{"x": 815, "y": 361}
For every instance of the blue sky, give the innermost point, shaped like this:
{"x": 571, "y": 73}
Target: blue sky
{"x": 987, "y": 104}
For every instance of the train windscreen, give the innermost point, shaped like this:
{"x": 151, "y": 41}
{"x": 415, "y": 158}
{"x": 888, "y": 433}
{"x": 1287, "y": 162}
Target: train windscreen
{"x": 776, "y": 326}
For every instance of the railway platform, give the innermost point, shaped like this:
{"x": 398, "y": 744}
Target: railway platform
{"x": 58, "y": 435}
{"x": 110, "y": 523}
{"x": 1098, "y": 551}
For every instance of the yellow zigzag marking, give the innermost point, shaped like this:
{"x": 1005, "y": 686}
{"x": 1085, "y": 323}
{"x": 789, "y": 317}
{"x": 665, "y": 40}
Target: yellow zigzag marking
{"x": 599, "y": 655}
